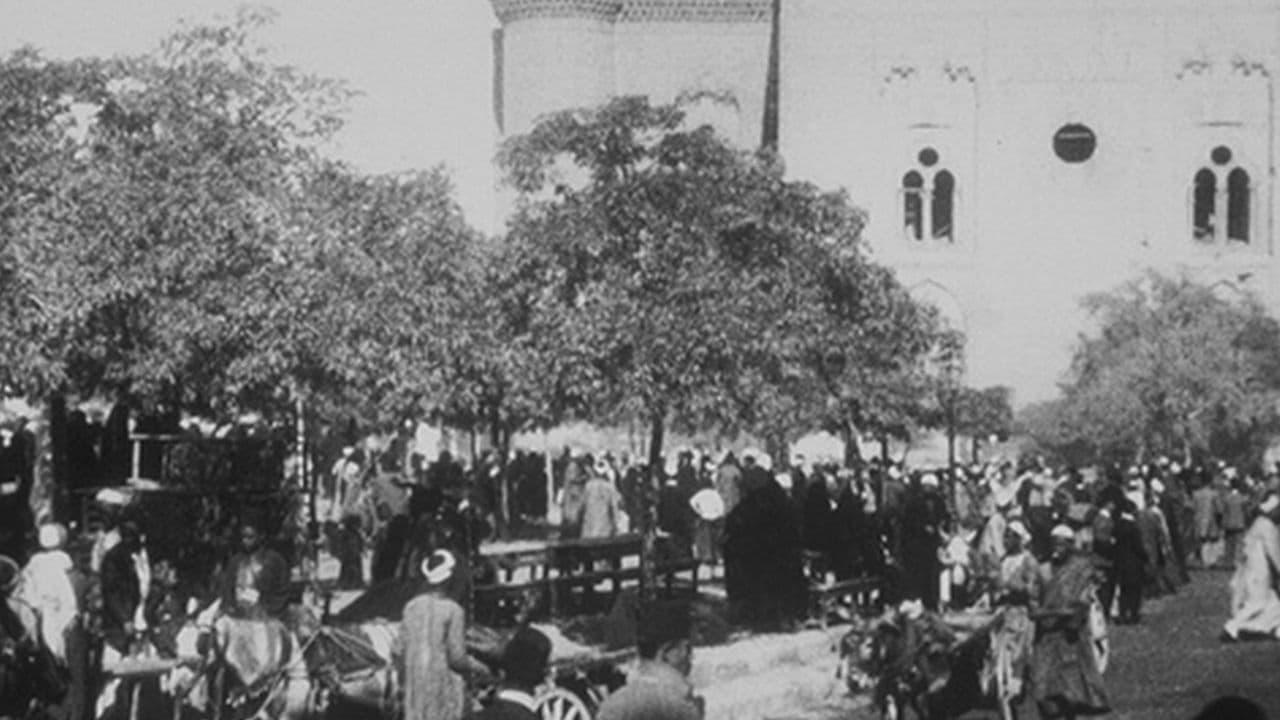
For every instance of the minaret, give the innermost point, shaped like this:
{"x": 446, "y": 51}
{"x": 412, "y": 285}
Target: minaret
{"x": 769, "y": 126}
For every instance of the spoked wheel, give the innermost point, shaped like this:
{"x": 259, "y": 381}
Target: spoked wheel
{"x": 561, "y": 704}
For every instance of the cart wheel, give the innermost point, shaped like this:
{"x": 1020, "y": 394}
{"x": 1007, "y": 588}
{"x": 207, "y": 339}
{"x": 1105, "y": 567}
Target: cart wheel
{"x": 561, "y": 704}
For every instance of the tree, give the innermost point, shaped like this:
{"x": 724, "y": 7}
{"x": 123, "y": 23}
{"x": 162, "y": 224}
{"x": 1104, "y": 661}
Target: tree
{"x": 982, "y": 413}
{"x": 678, "y": 277}
{"x": 873, "y": 350}
{"x": 371, "y": 286}
{"x": 154, "y": 245}
{"x": 1176, "y": 368}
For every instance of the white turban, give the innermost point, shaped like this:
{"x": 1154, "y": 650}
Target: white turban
{"x": 1020, "y": 528}
{"x": 1270, "y": 504}
{"x": 52, "y": 536}
{"x": 1063, "y": 532}
{"x": 708, "y": 504}
{"x": 438, "y": 567}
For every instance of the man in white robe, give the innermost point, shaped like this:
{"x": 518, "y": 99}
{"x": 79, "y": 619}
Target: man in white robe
{"x": 1255, "y": 606}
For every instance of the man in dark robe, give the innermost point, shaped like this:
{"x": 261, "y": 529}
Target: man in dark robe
{"x": 117, "y": 452}
{"x": 1130, "y": 561}
{"x": 763, "y": 572}
{"x": 122, "y": 588}
{"x": 17, "y": 521}
{"x": 923, "y": 517}
{"x": 818, "y": 525}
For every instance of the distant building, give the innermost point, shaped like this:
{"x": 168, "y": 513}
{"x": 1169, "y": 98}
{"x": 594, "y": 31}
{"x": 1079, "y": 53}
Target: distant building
{"x": 1014, "y": 155}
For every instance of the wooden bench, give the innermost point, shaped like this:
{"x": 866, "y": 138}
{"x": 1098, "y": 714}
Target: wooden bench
{"x": 862, "y": 594}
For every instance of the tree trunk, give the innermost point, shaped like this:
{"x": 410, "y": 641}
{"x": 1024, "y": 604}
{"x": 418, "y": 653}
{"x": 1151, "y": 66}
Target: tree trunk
{"x": 501, "y": 514}
{"x": 776, "y": 445}
{"x": 648, "y": 509}
{"x": 65, "y": 503}
{"x": 852, "y": 455}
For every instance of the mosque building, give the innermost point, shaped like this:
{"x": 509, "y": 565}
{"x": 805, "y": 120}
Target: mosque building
{"x": 1013, "y": 155}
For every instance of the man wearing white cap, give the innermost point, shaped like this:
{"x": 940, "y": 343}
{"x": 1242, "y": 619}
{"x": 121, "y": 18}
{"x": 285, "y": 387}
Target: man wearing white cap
{"x": 1255, "y": 607}
{"x": 1066, "y": 677}
{"x": 433, "y": 647}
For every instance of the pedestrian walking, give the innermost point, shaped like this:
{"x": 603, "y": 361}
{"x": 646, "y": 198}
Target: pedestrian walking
{"x": 1255, "y": 606}
{"x": 600, "y": 512}
{"x": 436, "y": 663}
{"x": 1207, "y": 504}
{"x": 1234, "y": 506}
{"x": 1065, "y": 679}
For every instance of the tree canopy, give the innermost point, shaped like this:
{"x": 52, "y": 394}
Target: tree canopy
{"x": 172, "y": 229}
{"x": 1176, "y": 368}
{"x": 689, "y": 282}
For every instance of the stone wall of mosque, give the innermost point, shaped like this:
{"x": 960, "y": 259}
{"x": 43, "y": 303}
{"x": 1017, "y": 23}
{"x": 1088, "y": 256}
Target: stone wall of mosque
{"x": 1015, "y": 156}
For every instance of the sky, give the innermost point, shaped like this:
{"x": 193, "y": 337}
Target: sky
{"x": 423, "y": 69}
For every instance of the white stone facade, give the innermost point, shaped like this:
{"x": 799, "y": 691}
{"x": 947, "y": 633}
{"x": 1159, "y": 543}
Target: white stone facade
{"x": 867, "y": 85}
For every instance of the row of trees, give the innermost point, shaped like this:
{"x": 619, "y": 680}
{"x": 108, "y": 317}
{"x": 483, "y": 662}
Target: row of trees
{"x": 169, "y": 228}
{"x": 1177, "y": 368}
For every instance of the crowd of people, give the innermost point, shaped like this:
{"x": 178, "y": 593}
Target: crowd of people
{"x": 1022, "y": 535}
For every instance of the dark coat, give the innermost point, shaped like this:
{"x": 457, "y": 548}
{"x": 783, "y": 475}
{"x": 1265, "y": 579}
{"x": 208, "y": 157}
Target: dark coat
{"x": 819, "y": 520}
{"x": 922, "y": 520}
{"x": 121, "y": 594}
{"x": 1128, "y": 553}
{"x": 763, "y": 572}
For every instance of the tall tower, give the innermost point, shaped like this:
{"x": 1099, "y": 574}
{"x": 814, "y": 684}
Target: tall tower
{"x": 560, "y": 54}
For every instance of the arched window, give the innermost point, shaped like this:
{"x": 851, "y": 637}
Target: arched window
{"x": 944, "y": 186}
{"x": 1238, "y": 205}
{"x": 929, "y": 200}
{"x": 1204, "y": 194}
{"x": 1221, "y": 200}
{"x": 913, "y": 204}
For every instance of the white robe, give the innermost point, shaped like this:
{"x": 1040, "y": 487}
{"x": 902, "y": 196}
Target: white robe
{"x": 46, "y": 585}
{"x": 1255, "y": 606}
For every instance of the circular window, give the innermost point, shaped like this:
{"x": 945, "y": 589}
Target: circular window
{"x": 928, "y": 157}
{"x": 1220, "y": 155}
{"x": 1074, "y": 143}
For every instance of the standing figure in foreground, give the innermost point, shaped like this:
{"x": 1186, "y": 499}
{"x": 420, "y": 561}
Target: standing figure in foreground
{"x": 524, "y": 667}
{"x": 1255, "y": 607}
{"x": 1065, "y": 677}
{"x": 433, "y": 637}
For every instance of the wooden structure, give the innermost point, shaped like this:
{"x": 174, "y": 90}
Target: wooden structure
{"x": 563, "y": 570}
